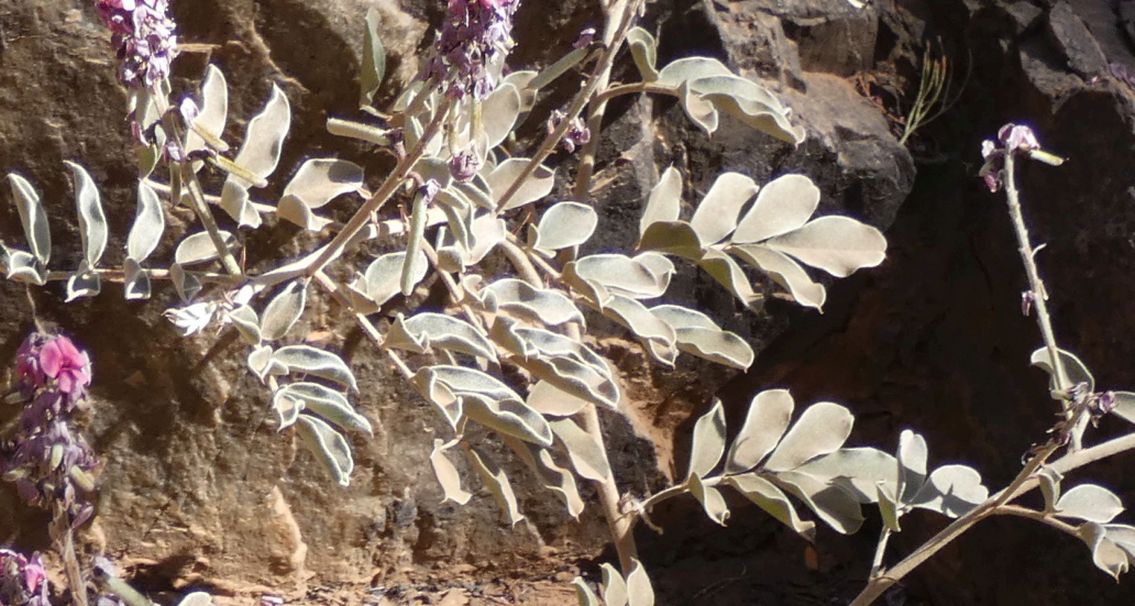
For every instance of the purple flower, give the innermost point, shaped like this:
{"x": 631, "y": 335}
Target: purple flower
{"x": 577, "y": 134}
{"x": 475, "y": 37}
{"x": 586, "y": 37}
{"x": 62, "y": 361}
{"x": 22, "y": 580}
{"x": 142, "y": 32}
{"x": 463, "y": 166}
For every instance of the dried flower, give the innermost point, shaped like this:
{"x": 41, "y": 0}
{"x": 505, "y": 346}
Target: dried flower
{"x": 474, "y": 39}
{"x": 586, "y": 37}
{"x": 143, "y": 34}
{"x": 463, "y": 166}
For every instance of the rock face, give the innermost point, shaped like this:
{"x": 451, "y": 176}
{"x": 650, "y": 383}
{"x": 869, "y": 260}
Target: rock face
{"x": 198, "y": 491}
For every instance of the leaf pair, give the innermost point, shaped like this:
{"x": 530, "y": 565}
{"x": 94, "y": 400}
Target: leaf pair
{"x": 633, "y": 590}
{"x": 774, "y": 234}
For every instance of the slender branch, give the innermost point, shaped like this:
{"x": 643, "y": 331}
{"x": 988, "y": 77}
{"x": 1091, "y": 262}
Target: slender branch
{"x": 66, "y": 545}
{"x": 880, "y": 551}
{"x": 520, "y": 260}
{"x": 635, "y": 88}
{"x": 1039, "y": 516}
{"x": 197, "y": 202}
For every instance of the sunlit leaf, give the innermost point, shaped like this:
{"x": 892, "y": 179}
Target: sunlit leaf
{"x": 639, "y": 590}
{"x": 785, "y": 272}
{"x": 247, "y": 323}
{"x": 912, "y": 455}
{"x": 534, "y": 188}
{"x": 588, "y": 458}
{"x": 1106, "y": 554}
{"x": 32, "y": 217}
{"x": 677, "y": 72}
{"x": 822, "y": 428}
{"x": 729, "y": 274}
{"x": 447, "y": 474}
{"x": 317, "y": 182}
{"x": 316, "y": 362}
{"x": 287, "y": 408}
{"x": 829, "y": 502}
{"x": 710, "y": 499}
{"x": 637, "y": 277}
{"x": 767, "y": 419}
{"x": 698, "y": 335}
{"x": 837, "y": 245}
{"x": 283, "y": 311}
{"x": 537, "y": 305}
{"x": 1077, "y": 372}
{"x": 136, "y": 283}
{"x": 643, "y": 49}
{"x": 614, "y": 586}
{"x": 237, "y": 202}
{"x": 1089, "y": 502}
{"x": 381, "y": 279}
{"x": 374, "y": 58}
{"x": 198, "y": 248}
{"x": 508, "y": 416}
{"x": 499, "y": 112}
{"x": 565, "y": 363}
{"x": 951, "y": 490}
{"x": 549, "y": 400}
{"x": 858, "y": 470}
{"x": 264, "y": 139}
{"x": 665, "y": 200}
{"x": 213, "y": 103}
{"x": 708, "y": 441}
{"x": 92, "y": 220}
{"x": 329, "y": 404}
{"x": 564, "y": 225}
{"x": 328, "y": 446}
{"x": 673, "y": 238}
{"x": 432, "y": 330}
{"x": 783, "y": 205}
{"x": 1124, "y": 405}
{"x": 716, "y": 214}
{"x": 149, "y": 222}
{"x": 583, "y": 593}
{"x": 83, "y": 283}
{"x": 767, "y": 496}
{"x": 497, "y": 482}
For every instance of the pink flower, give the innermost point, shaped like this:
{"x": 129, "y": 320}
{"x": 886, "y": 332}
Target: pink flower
{"x": 62, "y": 361}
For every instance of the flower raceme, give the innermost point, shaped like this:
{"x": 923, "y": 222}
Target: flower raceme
{"x": 474, "y": 39}
{"x": 143, "y": 34}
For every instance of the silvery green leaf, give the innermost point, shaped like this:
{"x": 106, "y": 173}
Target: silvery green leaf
{"x": 374, "y": 59}
{"x": 821, "y": 429}
{"x": 1123, "y": 536}
{"x": 510, "y": 417}
{"x": 785, "y": 272}
{"x": 316, "y": 362}
{"x": 656, "y": 335}
{"x": 497, "y": 482}
{"x": 912, "y": 455}
{"x": 614, "y": 586}
{"x": 198, "y": 248}
{"x": 598, "y": 275}
{"x": 247, "y": 324}
{"x": 32, "y": 217}
{"x": 237, "y": 202}
{"x": 749, "y": 103}
{"x": 729, "y": 274}
{"x": 487, "y": 231}
{"x": 477, "y": 192}
{"x": 1049, "y": 480}
{"x": 1106, "y": 554}
{"x": 1089, "y": 502}
{"x": 552, "y": 401}
{"x": 565, "y": 363}
{"x": 382, "y": 276}
{"x": 564, "y": 225}
{"x": 588, "y": 458}
{"x": 783, "y": 205}
{"x": 358, "y": 130}
{"x": 538, "y": 305}
{"x": 329, "y": 404}
{"x": 716, "y": 214}
{"x": 328, "y": 446}
{"x": 951, "y": 490}
{"x": 214, "y": 111}
{"x": 1124, "y": 405}
{"x": 522, "y": 80}
{"x": 889, "y": 508}
{"x": 673, "y": 238}
{"x": 149, "y": 222}
{"x": 24, "y": 267}
{"x": 696, "y": 334}
{"x": 837, "y": 245}
{"x": 440, "y": 395}
{"x": 535, "y": 187}
{"x": 644, "y": 50}
{"x": 499, "y": 112}
{"x": 425, "y": 330}
{"x": 146, "y": 159}
{"x": 184, "y": 282}
{"x": 560, "y": 67}
{"x": 700, "y": 110}
{"x": 447, "y": 474}
{"x": 829, "y": 502}
{"x": 639, "y": 591}
{"x": 192, "y": 318}
{"x": 411, "y": 262}
{"x": 136, "y": 282}
{"x": 262, "y": 365}
{"x": 708, "y": 441}
{"x": 677, "y": 72}
{"x": 583, "y": 593}
{"x": 857, "y": 470}
{"x": 264, "y": 140}
{"x": 197, "y": 598}
{"x": 773, "y": 501}
{"x": 83, "y": 283}
{"x": 665, "y": 200}
{"x": 92, "y": 220}
{"x": 767, "y": 419}
{"x": 463, "y": 381}
{"x": 1076, "y": 370}
{"x": 283, "y": 311}
{"x": 710, "y": 499}
{"x": 287, "y": 408}
{"x": 560, "y": 480}
{"x": 317, "y": 182}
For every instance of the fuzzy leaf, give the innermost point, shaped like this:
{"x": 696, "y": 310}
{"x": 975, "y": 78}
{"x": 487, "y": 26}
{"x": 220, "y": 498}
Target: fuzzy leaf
{"x": 821, "y": 429}
{"x": 510, "y": 417}
{"x": 665, "y": 200}
{"x": 729, "y": 274}
{"x": 198, "y": 248}
{"x": 767, "y": 496}
{"x": 264, "y": 139}
{"x": 951, "y": 490}
{"x": 1106, "y": 554}
{"x": 381, "y": 280}
{"x": 329, "y": 404}
{"x": 92, "y": 220}
{"x": 447, "y": 474}
{"x": 537, "y": 305}
{"x": 829, "y": 502}
{"x": 83, "y": 283}
{"x": 136, "y": 283}
{"x": 317, "y": 182}
{"x": 614, "y": 586}
{"x": 857, "y": 470}
{"x": 432, "y": 330}
{"x": 708, "y": 441}
{"x": 689, "y": 68}
{"x": 657, "y": 336}
{"x": 499, "y": 112}
{"x": 767, "y": 419}
{"x": 749, "y": 103}
{"x": 783, "y": 205}
{"x": 283, "y": 311}
{"x": 1125, "y": 405}
{"x": 564, "y": 225}
{"x": 287, "y": 408}
{"x": 698, "y": 335}
{"x": 673, "y": 238}
{"x": 549, "y": 400}
{"x": 639, "y": 591}
{"x": 559, "y": 360}
{"x": 644, "y": 50}
{"x": 710, "y": 499}
{"x": 1089, "y": 502}
{"x": 237, "y": 202}
{"x": 374, "y": 59}
{"x": 1076, "y": 370}
{"x": 149, "y": 223}
{"x": 246, "y": 322}
{"x": 328, "y": 446}
{"x": 912, "y": 457}
{"x": 716, "y": 215}
{"x": 638, "y": 277}
{"x": 785, "y": 272}
{"x": 316, "y": 362}
{"x": 32, "y": 217}
{"x": 497, "y": 482}
{"x": 213, "y": 101}
{"x": 534, "y": 188}
{"x": 587, "y": 457}
{"x": 837, "y": 245}
{"x": 583, "y": 593}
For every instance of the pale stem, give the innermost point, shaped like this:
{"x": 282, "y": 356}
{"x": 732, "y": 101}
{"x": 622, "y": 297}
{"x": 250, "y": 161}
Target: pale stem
{"x": 880, "y": 551}
{"x": 70, "y": 559}
{"x": 1039, "y": 516}
{"x": 197, "y": 202}
{"x": 598, "y": 104}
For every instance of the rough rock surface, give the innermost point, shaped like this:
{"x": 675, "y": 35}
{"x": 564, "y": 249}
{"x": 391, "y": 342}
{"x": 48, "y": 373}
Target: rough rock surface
{"x": 933, "y": 339}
